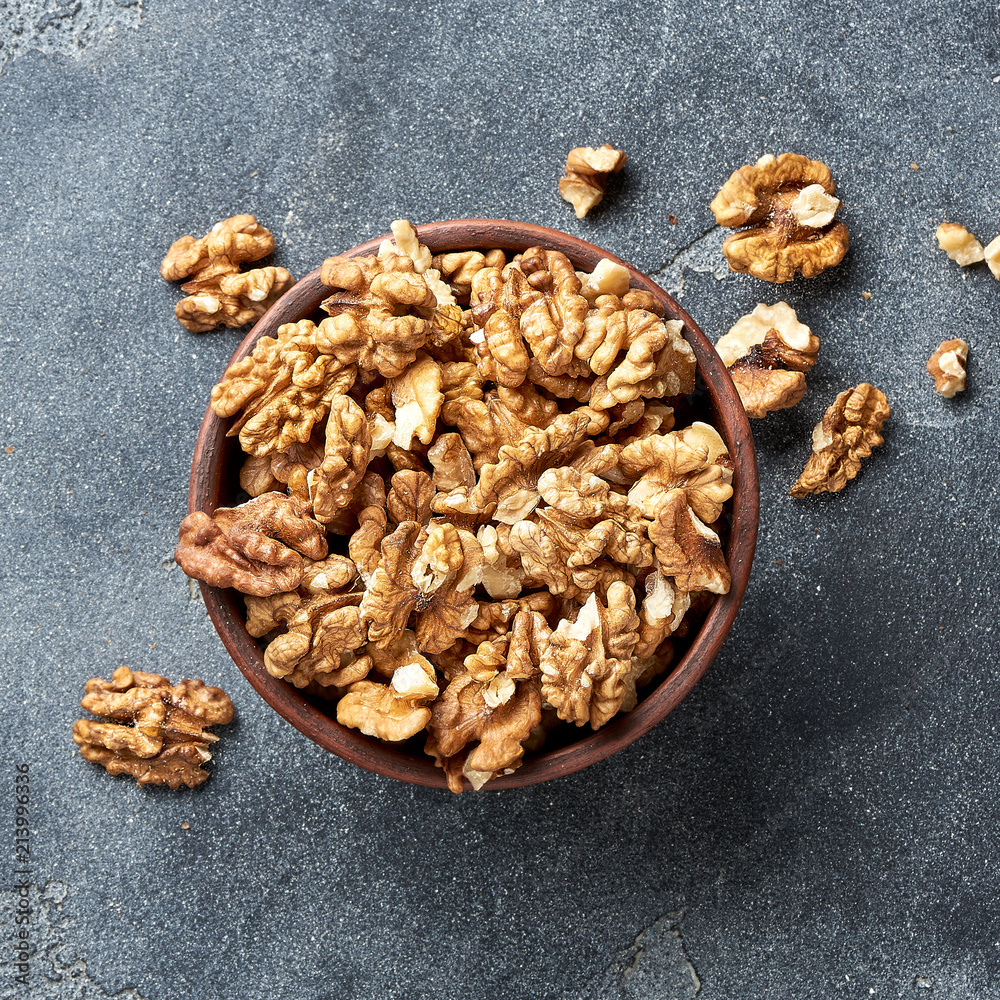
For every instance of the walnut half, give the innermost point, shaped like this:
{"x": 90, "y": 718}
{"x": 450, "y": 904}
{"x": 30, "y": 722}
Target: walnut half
{"x": 218, "y": 293}
{"x": 785, "y": 204}
{"x": 767, "y": 353}
{"x": 849, "y": 430}
{"x": 166, "y": 743}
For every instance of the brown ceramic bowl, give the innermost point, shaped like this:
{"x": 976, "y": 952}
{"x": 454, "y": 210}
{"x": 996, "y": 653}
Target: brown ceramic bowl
{"x": 214, "y": 483}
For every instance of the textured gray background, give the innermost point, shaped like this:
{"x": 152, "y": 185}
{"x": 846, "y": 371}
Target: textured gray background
{"x": 819, "y": 818}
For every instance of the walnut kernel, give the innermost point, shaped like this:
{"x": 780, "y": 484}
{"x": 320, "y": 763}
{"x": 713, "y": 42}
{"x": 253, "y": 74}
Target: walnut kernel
{"x": 218, "y": 293}
{"x": 782, "y": 202}
{"x": 991, "y": 254}
{"x": 960, "y": 245}
{"x": 767, "y": 352}
{"x": 947, "y": 367}
{"x": 167, "y": 742}
{"x": 849, "y": 430}
{"x": 587, "y": 173}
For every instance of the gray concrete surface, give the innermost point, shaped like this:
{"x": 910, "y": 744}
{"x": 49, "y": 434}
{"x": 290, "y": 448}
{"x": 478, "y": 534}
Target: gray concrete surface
{"x": 818, "y": 819}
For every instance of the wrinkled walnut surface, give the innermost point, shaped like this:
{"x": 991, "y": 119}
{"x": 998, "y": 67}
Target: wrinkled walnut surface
{"x": 783, "y": 209}
{"x": 848, "y": 432}
{"x": 496, "y": 471}
{"x": 159, "y": 730}
{"x": 219, "y": 294}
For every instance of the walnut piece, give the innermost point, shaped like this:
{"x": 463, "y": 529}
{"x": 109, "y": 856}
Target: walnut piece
{"x": 256, "y": 548}
{"x": 766, "y": 353}
{"x": 587, "y": 173}
{"x": 491, "y": 520}
{"x": 166, "y": 743}
{"x": 586, "y": 661}
{"x": 394, "y": 711}
{"x": 991, "y": 254}
{"x": 849, "y": 430}
{"x": 947, "y": 367}
{"x": 219, "y": 294}
{"x": 786, "y": 204}
{"x": 608, "y": 278}
{"x": 959, "y": 244}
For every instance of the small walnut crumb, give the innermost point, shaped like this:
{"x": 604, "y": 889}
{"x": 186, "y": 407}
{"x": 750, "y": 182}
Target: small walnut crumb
{"x": 866, "y": 295}
{"x": 991, "y": 254}
{"x": 783, "y": 208}
{"x": 849, "y": 430}
{"x": 166, "y": 744}
{"x": 914, "y": 166}
{"x": 959, "y": 244}
{"x": 587, "y": 172}
{"x": 185, "y": 826}
{"x": 672, "y": 219}
{"x": 9, "y": 449}
{"x": 947, "y": 367}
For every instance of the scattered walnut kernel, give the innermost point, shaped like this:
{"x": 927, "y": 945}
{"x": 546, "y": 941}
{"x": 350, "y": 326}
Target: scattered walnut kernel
{"x": 219, "y": 293}
{"x": 866, "y": 296}
{"x": 587, "y": 173}
{"x": 849, "y": 430}
{"x": 767, "y": 352}
{"x": 991, "y": 254}
{"x": 166, "y": 743}
{"x": 525, "y": 528}
{"x": 786, "y": 204}
{"x": 960, "y": 245}
{"x": 947, "y": 367}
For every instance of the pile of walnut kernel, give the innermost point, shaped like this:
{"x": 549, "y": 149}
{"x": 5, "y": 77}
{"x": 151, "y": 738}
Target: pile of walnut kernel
{"x": 472, "y": 514}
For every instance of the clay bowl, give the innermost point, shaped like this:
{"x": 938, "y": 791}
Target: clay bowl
{"x": 214, "y": 483}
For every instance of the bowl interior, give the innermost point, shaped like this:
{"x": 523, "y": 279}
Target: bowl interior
{"x": 214, "y": 483}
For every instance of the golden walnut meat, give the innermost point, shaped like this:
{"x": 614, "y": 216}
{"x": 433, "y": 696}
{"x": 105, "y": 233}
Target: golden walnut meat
{"x": 947, "y": 367}
{"x": 492, "y": 522}
{"x": 219, "y": 294}
{"x": 991, "y": 254}
{"x": 767, "y": 352}
{"x": 959, "y": 244}
{"x": 849, "y": 430}
{"x": 158, "y": 735}
{"x": 586, "y": 661}
{"x": 531, "y": 310}
{"x": 786, "y": 208}
{"x": 587, "y": 173}
{"x": 256, "y": 548}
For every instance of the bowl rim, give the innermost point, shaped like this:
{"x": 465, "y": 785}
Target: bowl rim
{"x": 304, "y": 714}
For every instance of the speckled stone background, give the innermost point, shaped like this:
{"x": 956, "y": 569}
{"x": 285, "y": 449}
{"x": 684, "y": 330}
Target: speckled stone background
{"x": 819, "y": 818}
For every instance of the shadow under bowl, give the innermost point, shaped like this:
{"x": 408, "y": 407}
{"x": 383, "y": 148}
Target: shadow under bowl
{"x": 215, "y": 482}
